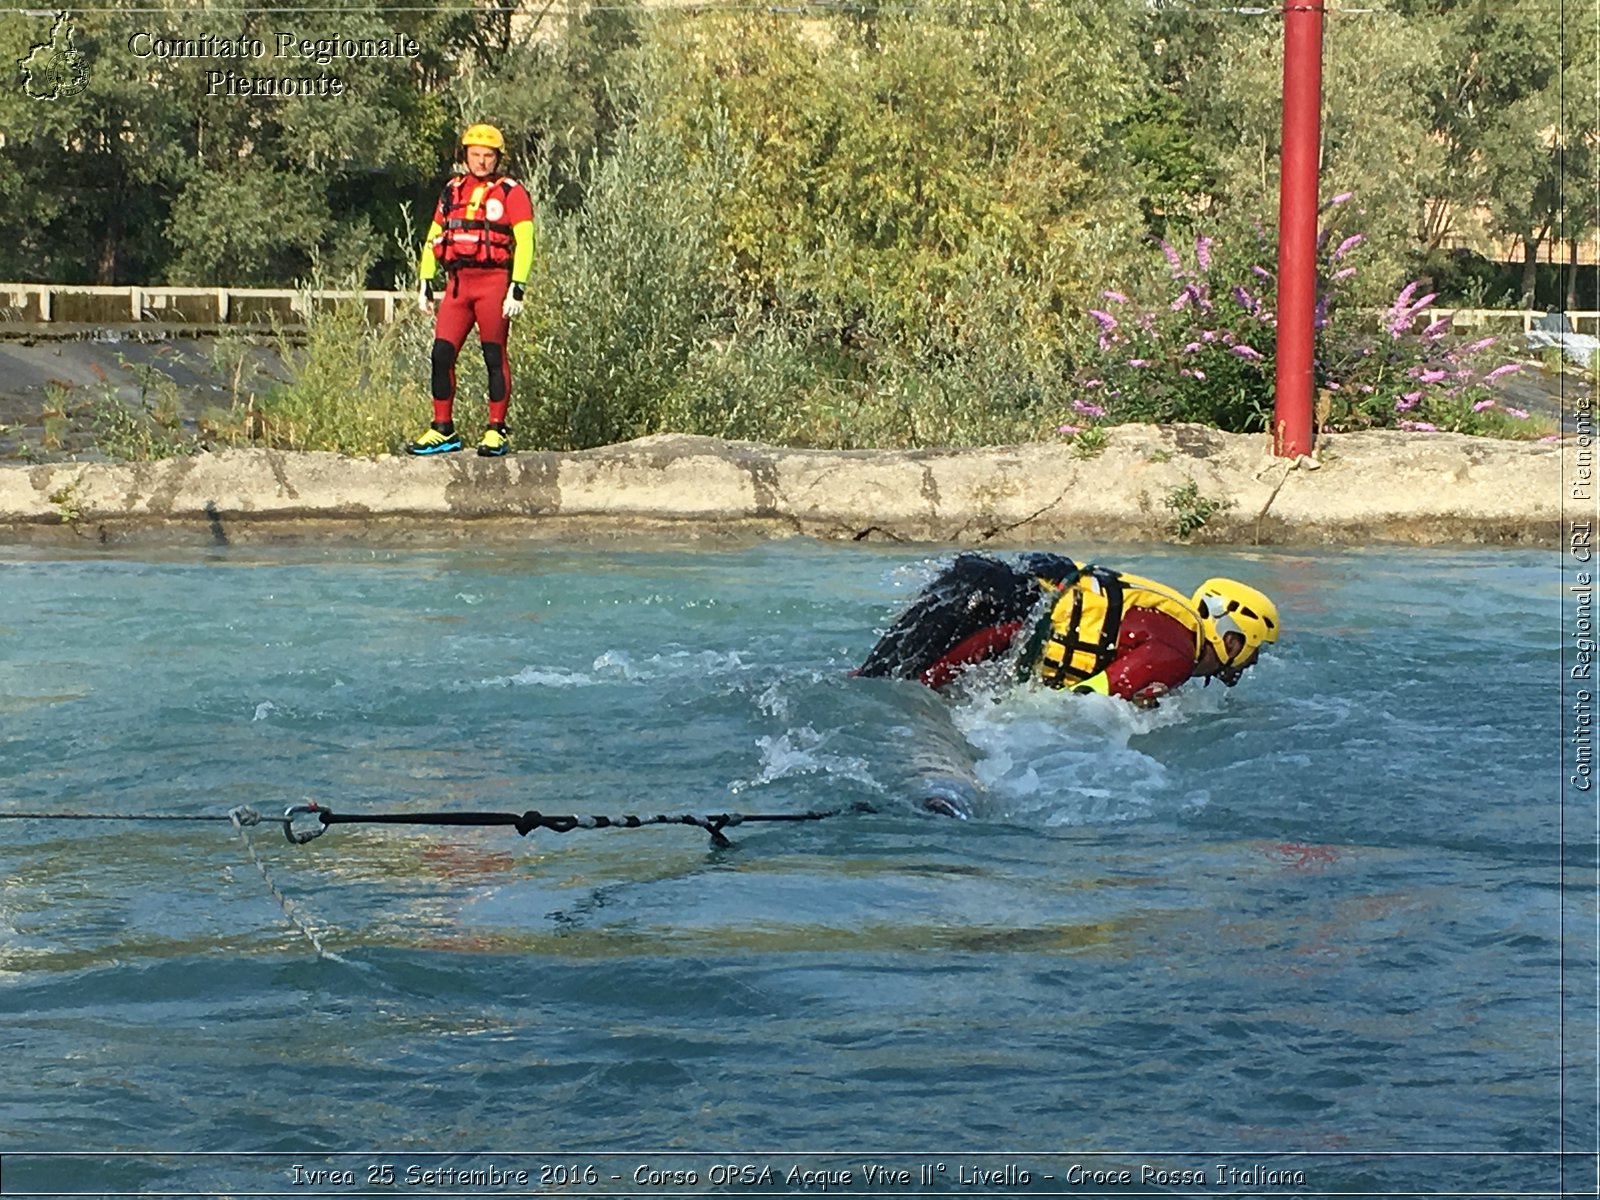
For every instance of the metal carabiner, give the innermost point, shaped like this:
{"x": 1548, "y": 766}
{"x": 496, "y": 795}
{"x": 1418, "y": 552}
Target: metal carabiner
{"x": 295, "y": 836}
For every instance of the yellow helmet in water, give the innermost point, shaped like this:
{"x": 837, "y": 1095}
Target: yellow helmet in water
{"x": 484, "y": 135}
{"x": 1228, "y": 606}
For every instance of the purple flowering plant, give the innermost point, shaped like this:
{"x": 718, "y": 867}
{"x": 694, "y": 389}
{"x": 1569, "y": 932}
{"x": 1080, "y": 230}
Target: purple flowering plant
{"x": 1198, "y": 343}
{"x": 1400, "y": 371}
{"x": 1193, "y": 344}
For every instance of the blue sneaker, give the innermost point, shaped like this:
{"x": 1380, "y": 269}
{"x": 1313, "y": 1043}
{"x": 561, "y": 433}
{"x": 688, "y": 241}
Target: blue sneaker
{"x": 432, "y": 441}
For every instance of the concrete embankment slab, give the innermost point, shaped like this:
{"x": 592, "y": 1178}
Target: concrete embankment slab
{"x": 1147, "y": 484}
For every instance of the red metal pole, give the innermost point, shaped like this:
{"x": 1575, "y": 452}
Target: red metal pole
{"x": 1297, "y": 224}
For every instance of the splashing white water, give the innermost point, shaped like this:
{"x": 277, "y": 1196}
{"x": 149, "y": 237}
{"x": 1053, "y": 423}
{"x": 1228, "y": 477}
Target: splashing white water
{"x": 1070, "y": 760}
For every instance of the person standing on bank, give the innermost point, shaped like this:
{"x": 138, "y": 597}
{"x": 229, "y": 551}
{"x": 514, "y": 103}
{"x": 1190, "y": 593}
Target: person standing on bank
{"x": 478, "y": 251}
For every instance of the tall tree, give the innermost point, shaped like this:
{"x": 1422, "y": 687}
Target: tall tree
{"x": 1579, "y": 152}
{"x": 1496, "y": 110}
{"x": 87, "y": 171}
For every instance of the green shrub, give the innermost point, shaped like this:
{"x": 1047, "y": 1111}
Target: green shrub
{"x": 149, "y": 428}
{"x": 349, "y": 385}
{"x": 622, "y": 300}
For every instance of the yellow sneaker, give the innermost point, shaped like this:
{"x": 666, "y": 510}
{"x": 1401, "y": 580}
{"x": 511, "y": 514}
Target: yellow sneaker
{"x": 495, "y": 444}
{"x": 431, "y": 441}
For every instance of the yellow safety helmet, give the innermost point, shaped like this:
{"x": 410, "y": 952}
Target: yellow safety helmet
{"x": 484, "y": 135}
{"x": 1228, "y": 606}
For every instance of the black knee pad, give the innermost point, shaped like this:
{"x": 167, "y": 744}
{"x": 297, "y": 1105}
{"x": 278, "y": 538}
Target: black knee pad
{"x": 444, "y": 362}
{"x": 494, "y": 360}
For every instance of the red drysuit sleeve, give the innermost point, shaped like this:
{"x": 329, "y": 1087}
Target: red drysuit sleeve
{"x": 1151, "y": 648}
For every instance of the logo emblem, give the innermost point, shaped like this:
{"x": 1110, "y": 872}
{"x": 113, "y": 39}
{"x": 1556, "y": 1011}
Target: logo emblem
{"x": 494, "y": 210}
{"x": 55, "y": 69}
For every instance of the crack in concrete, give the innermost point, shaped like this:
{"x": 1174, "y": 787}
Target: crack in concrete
{"x": 170, "y": 475}
{"x": 995, "y": 531}
{"x": 765, "y": 474}
{"x": 765, "y": 485}
{"x": 862, "y": 535}
{"x": 275, "y": 460}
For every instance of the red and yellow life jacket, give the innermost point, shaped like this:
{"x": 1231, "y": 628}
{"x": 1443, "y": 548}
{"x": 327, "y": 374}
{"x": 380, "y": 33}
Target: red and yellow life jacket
{"x": 473, "y": 231}
{"x": 1080, "y": 638}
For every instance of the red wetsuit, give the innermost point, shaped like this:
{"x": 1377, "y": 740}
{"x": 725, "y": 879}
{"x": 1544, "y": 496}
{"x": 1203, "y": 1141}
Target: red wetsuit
{"x": 1151, "y": 648}
{"x": 472, "y": 296}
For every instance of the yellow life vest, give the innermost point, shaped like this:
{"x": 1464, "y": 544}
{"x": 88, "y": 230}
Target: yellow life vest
{"x": 1086, "y": 620}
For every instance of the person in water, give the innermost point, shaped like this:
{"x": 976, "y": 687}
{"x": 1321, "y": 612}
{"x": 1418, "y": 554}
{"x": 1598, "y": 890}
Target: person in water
{"x": 1078, "y": 628}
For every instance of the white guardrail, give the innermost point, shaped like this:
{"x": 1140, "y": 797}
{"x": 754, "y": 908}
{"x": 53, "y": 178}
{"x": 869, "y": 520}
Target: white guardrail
{"x": 1514, "y": 318}
{"x": 73, "y": 303}
{"x": 46, "y": 304}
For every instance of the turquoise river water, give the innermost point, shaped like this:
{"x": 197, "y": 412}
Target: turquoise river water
{"x": 1315, "y": 935}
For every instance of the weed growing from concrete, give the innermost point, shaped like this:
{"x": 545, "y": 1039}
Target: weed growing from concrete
{"x": 1190, "y": 510}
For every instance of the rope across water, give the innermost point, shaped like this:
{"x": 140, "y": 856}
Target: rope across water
{"x": 524, "y": 823}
